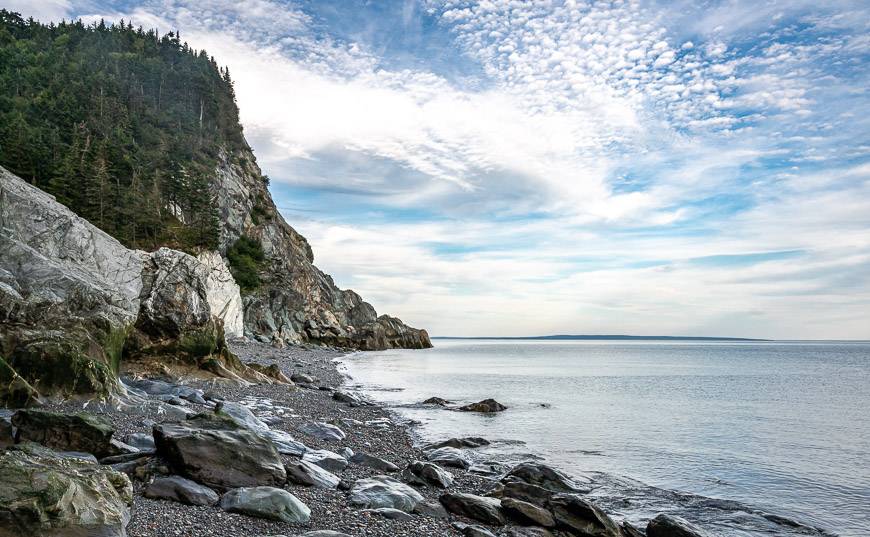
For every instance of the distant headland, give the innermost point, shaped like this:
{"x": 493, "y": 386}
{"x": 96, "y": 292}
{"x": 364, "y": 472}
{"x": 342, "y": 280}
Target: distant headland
{"x": 602, "y": 337}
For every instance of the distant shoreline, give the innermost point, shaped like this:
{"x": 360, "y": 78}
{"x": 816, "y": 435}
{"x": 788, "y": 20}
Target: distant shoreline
{"x": 603, "y": 338}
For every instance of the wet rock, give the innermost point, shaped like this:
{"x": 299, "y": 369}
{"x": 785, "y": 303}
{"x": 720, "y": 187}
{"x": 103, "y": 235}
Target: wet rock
{"x": 322, "y": 431}
{"x": 376, "y": 463}
{"x": 489, "y": 468}
{"x": 179, "y": 489}
{"x": 266, "y": 502}
{"x": 436, "y": 401}
{"x": 486, "y": 406}
{"x": 346, "y": 397}
{"x": 383, "y": 491}
{"x": 582, "y": 516}
{"x": 427, "y": 474}
{"x": 47, "y": 495}
{"x": 329, "y": 461}
{"x": 431, "y": 509}
{"x": 306, "y": 473}
{"x": 544, "y": 476}
{"x": 673, "y": 526}
{"x": 481, "y": 508}
{"x": 528, "y": 531}
{"x": 629, "y": 530}
{"x": 140, "y": 440}
{"x": 6, "y": 436}
{"x": 448, "y": 456}
{"x": 472, "y": 530}
{"x": 392, "y": 514}
{"x": 65, "y": 432}
{"x": 219, "y": 453}
{"x": 466, "y": 442}
{"x": 527, "y": 513}
{"x": 302, "y": 378}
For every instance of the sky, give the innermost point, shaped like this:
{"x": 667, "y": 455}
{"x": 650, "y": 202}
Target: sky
{"x": 500, "y": 167}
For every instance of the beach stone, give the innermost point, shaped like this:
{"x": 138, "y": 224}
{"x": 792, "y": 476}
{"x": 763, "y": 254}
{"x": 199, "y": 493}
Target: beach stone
{"x": 436, "y": 401}
{"x": 306, "y": 473}
{"x": 466, "y": 442}
{"x": 527, "y": 531}
{"x": 527, "y": 513}
{"x": 266, "y": 502}
{"x": 472, "y": 530}
{"x": 324, "y": 533}
{"x": 583, "y": 517}
{"x": 516, "y": 488}
{"x": 383, "y": 491}
{"x": 322, "y": 431}
{"x": 486, "y": 406}
{"x": 431, "y": 509}
{"x": 346, "y": 397}
{"x": 481, "y": 508}
{"x": 544, "y": 476}
{"x": 328, "y": 460}
{"x": 392, "y": 514}
{"x": 673, "y": 526}
{"x": 45, "y": 495}
{"x": 448, "y": 456}
{"x": 489, "y": 468}
{"x": 285, "y": 443}
{"x": 302, "y": 378}
{"x": 179, "y": 489}
{"x": 427, "y": 473}
{"x": 243, "y": 416}
{"x": 140, "y": 440}
{"x": 219, "y": 453}
{"x": 376, "y": 463}
{"x": 64, "y": 432}
{"x": 346, "y": 452}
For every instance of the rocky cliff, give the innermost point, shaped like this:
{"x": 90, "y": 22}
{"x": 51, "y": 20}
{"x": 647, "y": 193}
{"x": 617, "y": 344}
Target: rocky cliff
{"x": 296, "y": 301}
{"x": 73, "y": 300}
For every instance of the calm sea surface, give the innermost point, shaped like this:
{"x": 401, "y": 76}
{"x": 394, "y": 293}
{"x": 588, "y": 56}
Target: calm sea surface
{"x": 732, "y": 436}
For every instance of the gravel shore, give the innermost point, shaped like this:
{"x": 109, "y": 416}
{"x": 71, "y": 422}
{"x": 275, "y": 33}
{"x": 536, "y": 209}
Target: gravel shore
{"x": 370, "y": 430}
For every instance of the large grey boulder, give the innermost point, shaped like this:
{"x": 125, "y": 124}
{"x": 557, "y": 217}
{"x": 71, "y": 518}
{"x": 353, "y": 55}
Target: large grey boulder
{"x": 266, "y": 502}
{"x": 481, "y": 508}
{"x": 328, "y": 460}
{"x": 47, "y": 496}
{"x": 180, "y": 490}
{"x": 65, "y": 432}
{"x": 520, "y": 490}
{"x": 306, "y": 473}
{"x": 376, "y": 463}
{"x": 322, "y": 431}
{"x": 427, "y": 474}
{"x": 219, "y": 453}
{"x": 544, "y": 476}
{"x": 582, "y": 516}
{"x": 383, "y": 491}
{"x": 487, "y": 406}
{"x": 673, "y": 526}
{"x": 464, "y": 442}
{"x": 527, "y": 513}
{"x": 69, "y": 293}
{"x": 448, "y": 456}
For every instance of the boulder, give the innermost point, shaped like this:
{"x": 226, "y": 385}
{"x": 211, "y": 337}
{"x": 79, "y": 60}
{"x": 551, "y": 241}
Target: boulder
{"x": 347, "y": 397}
{"x": 481, "y": 508}
{"x": 65, "y": 432}
{"x": 466, "y": 442}
{"x": 431, "y": 509}
{"x": 306, "y": 473}
{"x": 324, "y": 533}
{"x": 302, "y": 378}
{"x": 392, "y": 514}
{"x": 285, "y": 443}
{"x": 180, "y": 490}
{"x": 673, "y": 526}
{"x": 527, "y": 531}
{"x": 243, "y": 416}
{"x": 436, "y": 401}
{"x": 520, "y": 490}
{"x": 630, "y": 530}
{"x": 322, "y": 431}
{"x": 266, "y": 502}
{"x": 427, "y": 474}
{"x": 140, "y": 440}
{"x": 527, "y": 513}
{"x": 448, "y": 456}
{"x": 219, "y": 453}
{"x": 47, "y": 496}
{"x": 582, "y": 516}
{"x": 377, "y": 463}
{"x": 382, "y": 491}
{"x": 472, "y": 530}
{"x": 486, "y": 406}
{"x": 328, "y": 460}
{"x": 7, "y": 437}
{"x": 544, "y": 476}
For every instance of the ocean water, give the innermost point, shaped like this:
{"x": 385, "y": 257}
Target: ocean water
{"x": 742, "y": 438}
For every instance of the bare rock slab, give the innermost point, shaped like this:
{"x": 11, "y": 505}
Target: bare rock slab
{"x": 180, "y": 490}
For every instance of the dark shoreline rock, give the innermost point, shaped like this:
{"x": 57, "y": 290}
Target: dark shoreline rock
{"x": 487, "y": 406}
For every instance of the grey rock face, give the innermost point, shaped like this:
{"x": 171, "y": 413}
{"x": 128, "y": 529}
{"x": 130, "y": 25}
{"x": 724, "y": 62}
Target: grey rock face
{"x": 322, "y": 431}
{"x": 481, "y": 508}
{"x": 306, "y": 473}
{"x": 52, "y": 497}
{"x": 377, "y": 463}
{"x": 266, "y": 502}
{"x": 382, "y": 491}
{"x": 527, "y": 513}
{"x": 219, "y": 453}
{"x": 427, "y": 474}
{"x": 328, "y": 460}
{"x": 296, "y": 303}
{"x": 448, "y": 456}
{"x": 64, "y": 432}
{"x": 582, "y": 516}
{"x": 673, "y": 526}
{"x": 180, "y": 490}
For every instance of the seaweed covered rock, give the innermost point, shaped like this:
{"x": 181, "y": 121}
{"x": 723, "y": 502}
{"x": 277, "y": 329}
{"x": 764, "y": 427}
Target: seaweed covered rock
{"x": 47, "y": 496}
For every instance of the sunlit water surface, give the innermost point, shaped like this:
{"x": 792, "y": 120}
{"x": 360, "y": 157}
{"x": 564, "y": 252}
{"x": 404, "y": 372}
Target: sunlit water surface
{"x": 778, "y": 429}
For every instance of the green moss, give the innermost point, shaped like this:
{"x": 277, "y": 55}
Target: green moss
{"x": 113, "y": 346}
{"x": 246, "y": 258}
{"x": 198, "y": 344}
{"x": 62, "y": 366}
{"x": 15, "y": 392}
